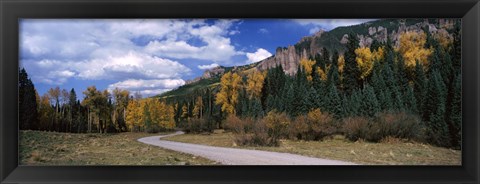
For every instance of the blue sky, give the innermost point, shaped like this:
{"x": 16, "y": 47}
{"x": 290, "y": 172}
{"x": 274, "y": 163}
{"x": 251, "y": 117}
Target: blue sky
{"x": 150, "y": 56}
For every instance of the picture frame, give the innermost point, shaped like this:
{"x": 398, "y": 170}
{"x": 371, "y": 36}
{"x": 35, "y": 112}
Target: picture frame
{"x": 13, "y": 10}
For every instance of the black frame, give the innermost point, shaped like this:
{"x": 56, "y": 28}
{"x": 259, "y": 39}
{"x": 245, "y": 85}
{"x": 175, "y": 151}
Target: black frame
{"x": 13, "y": 10}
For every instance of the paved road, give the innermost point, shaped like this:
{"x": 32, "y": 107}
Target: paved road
{"x": 233, "y": 156}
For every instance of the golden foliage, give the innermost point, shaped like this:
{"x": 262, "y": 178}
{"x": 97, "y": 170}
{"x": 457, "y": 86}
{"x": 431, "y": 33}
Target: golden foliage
{"x": 366, "y": 59}
{"x": 322, "y": 74}
{"x": 412, "y": 48}
{"x": 341, "y": 63}
{"x": 308, "y": 67}
{"x": 197, "y": 109}
{"x": 254, "y": 84}
{"x": 228, "y": 94}
{"x": 161, "y": 114}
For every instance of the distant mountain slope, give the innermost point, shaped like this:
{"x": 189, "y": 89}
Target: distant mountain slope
{"x": 310, "y": 46}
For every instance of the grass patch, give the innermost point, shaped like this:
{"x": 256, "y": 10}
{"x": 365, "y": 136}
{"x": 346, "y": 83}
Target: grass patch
{"x": 51, "y": 148}
{"x": 389, "y": 152}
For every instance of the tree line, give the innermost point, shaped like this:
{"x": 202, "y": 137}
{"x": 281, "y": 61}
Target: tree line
{"x": 99, "y": 112}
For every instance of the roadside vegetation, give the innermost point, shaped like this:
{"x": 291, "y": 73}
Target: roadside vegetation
{"x": 52, "y": 148}
{"x": 389, "y": 151}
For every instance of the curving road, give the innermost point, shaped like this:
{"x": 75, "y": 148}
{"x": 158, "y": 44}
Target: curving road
{"x": 233, "y": 156}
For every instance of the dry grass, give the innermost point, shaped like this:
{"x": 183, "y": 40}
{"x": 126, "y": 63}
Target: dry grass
{"x": 388, "y": 152}
{"x": 49, "y": 148}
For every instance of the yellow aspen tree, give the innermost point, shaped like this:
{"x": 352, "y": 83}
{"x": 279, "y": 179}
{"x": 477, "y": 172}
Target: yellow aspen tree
{"x": 227, "y": 97}
{"x": 412, "y": 49}
{"x": 308, "y": 67}
{"x": 322, "y": 74}
{"x": 197, "y": 109}
{"x": 255, "y": 84}
{"x": 341, "y": 63}
{"x": 366, "y": 59}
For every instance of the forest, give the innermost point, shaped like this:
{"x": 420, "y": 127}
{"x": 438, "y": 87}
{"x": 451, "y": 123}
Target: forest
{"x": 410, "y": 90}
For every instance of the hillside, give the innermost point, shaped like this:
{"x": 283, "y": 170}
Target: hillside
{"x": 311, "y": 47}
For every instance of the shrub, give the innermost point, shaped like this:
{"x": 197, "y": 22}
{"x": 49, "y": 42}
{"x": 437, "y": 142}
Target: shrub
{"x": 276, "y": 124}
{"x": 397, "y": 125}
{"x": 198, "y": 125}
{"x": 258, "y": 136}
{"x": 264, "y": 132}
{"x": 386, "y": 125}
{"x": 355, "y": 128}
{"x": 299, "y": 128}
{"x": 321, "y": 124}
{"x": 237, "y": 125}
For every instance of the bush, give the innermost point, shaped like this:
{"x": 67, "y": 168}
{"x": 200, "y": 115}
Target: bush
{"x": 313, "y": 126}
{"x": 277, "y": 125}
{"x": 258, "y": 136}
{"x": 397, "y": 125}
{"x": 198, "y": 125}
{"x": 355, "y": 128}
{"x": 237, "y": 125}
{"x": 264, "y": 132}
{"x": 299, "y": 128}
{"x": 321, "y": 124}
{"x": 386, "y": 125}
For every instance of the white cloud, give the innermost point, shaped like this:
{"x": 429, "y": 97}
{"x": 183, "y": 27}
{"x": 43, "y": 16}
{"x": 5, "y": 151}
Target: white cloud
{"x": 328, "y": 24}
{"x": 263, "y": 30}
{"x": 148, "y": 87}
{"x": 58, "y": 50}
{"x": 257, "y": 56}
{"x": 129, "y": 65}
{"x": 218, "y": 47}
{"x": 210, "y": 66}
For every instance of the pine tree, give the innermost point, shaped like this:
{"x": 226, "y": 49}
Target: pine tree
{"x": 28, "y": 112}
{"x": 326, "y": 56}
{"x": 289, "y": 100}
{"x": 370, "y": 105}
{"x": 420, "y": 88}
{"x": 314, "y": 100}
{"x": 334, "y": 102}
{"x": 456, "y": 114}
{"x": 437, "y": 129}
{"x": 351, "y": 73}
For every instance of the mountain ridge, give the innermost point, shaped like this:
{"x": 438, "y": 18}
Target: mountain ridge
{"x": 310, "y": 46}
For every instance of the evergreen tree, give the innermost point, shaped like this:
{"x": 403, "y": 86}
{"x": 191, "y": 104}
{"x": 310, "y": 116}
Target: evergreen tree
{"x": 326, "y": 56}
{"x": 313, "y": 101}
{"x": 288, "y": 99}
{"x": 370, "y": 105}
{"x": 351, "y": 73}
{"x": 456, "y": 114}
{"x": 256, "y": 110}
{"x": 410, "y": 101}
{"x": 28, "y": 113}
{"x": 437, "y": 129}
{"x": 334, "y": 102}
{"x": 420, "y": 88}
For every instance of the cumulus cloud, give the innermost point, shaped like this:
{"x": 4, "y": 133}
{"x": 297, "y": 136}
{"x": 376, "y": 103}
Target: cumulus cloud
{"x": 328, "y": 24}
{"x": 148, "y": 87}
{"x": 210, "y": 66}
{"x": 257, "y": 56}
{"x": 57, "y": 50}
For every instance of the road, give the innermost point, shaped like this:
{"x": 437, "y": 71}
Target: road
{"x": 234, "y": 156}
